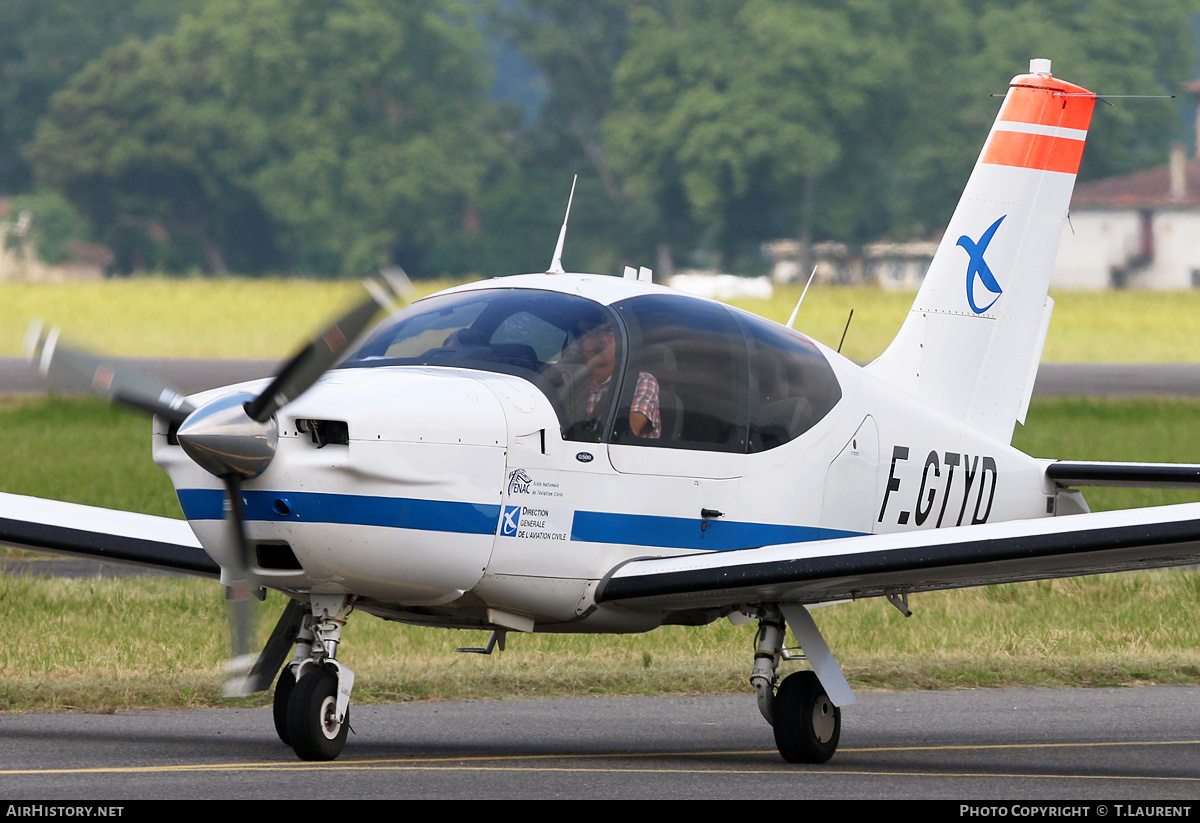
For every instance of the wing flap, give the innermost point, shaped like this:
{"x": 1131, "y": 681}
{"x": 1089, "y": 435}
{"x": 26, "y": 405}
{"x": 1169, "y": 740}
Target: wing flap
{"x": 103, "y": 534}
{"x": 874, "y": 565}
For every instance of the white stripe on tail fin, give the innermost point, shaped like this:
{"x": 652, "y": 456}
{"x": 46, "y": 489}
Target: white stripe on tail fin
{"x": 973, "y": 339}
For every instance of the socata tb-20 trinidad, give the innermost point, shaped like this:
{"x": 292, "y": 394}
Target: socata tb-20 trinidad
{"x": 576, "y": 453}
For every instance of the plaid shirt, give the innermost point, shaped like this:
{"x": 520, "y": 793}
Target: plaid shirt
{"x": 645, "y": 401}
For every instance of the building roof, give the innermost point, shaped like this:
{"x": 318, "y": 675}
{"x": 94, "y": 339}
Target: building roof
{"x": 1145, "y": 189}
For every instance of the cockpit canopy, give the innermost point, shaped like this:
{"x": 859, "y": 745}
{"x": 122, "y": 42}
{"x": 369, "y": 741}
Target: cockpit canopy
{"x": 655, "y": 369}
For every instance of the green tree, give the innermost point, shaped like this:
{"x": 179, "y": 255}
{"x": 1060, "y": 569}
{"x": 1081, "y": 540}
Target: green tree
{"x": 56, "y": 224}
{"x": 575, "y": 48}
{"x": 344, "y": 132}
{"x": 728, "y": 113}
{"x": 43, "y": 43}
{"x": 850, "y": 119}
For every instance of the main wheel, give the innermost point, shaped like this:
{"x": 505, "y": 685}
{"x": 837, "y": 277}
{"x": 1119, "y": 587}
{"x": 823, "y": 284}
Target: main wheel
{"x": 807, "y": 725}
{"x": 283, "y": 695}
{"x": 313, "y": 730}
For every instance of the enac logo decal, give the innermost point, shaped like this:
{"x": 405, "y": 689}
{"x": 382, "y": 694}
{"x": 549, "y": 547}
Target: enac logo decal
{"x": 978, "y": 267}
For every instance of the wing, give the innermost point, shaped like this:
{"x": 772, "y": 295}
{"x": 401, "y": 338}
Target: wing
{"x": 103, "y": 534}
{"x": 882, "y": 564}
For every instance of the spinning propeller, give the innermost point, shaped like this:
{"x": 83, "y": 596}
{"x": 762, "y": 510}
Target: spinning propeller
{"x": 234, "y": 437}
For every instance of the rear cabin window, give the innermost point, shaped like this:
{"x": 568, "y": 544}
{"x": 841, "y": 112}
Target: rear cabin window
{"x": 792, "y": 385}
{"x": 727, "y": 380}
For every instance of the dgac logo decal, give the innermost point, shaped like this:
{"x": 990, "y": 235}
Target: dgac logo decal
{"x": 518, "y": 482}
{"x": 978, "y": 267}
{"x": 509, "y": 521}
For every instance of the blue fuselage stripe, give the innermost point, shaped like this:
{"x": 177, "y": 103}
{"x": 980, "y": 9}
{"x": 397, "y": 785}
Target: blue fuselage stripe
{"x": 691, "y": 533}
{"x": 347, "y": 509}
{"x": 477, "y": 518}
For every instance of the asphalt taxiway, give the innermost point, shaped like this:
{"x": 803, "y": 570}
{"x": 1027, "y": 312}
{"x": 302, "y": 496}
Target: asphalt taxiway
{"x": 987, "y": 744}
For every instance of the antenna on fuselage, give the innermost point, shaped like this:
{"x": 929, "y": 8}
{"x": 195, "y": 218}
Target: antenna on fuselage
{"x": 556, "y": 263}
{"x": 843, "y": 340}
{"x": 796, "y": 310}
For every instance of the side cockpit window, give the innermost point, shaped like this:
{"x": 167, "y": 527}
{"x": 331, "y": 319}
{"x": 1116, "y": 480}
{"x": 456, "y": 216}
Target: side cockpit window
{"x": 690, "y": 357}
{"x": 661, "y": 370}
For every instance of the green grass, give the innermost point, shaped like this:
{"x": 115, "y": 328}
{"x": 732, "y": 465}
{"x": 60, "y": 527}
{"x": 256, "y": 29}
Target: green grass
{"x": 269, "y": 318}
{"x": 159, "y": 317}
{"x": 84, "y": 451}
{"x": 1153, "y": 430}
{"x": 100, "y": 645}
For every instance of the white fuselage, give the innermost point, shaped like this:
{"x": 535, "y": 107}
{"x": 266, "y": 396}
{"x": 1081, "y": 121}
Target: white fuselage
{"x": 456, "y": 500}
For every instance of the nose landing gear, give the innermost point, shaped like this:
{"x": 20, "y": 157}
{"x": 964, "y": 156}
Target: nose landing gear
{"x": 312, "y": 696}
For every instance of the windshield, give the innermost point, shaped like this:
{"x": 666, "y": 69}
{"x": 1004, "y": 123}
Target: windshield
{"x": 545, "y": 337}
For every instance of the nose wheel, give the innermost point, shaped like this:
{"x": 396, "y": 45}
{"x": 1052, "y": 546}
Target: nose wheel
{"x": 283, "y": 695}
{"x": 807, "y": 725}
{"x": 313, "y": 728}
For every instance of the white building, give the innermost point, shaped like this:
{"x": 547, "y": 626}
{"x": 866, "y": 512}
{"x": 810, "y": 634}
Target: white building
{"x": 1139, "y": 230}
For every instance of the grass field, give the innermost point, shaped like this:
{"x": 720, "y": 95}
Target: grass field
{"x": 100, "y": 645}
{"x": 267, "y": 319}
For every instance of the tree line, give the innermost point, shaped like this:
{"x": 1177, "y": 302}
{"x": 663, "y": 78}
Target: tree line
{"x": 329, "y": 137}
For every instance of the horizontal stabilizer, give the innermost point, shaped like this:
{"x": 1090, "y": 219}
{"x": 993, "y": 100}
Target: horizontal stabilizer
{"x": 1125, "y": 475}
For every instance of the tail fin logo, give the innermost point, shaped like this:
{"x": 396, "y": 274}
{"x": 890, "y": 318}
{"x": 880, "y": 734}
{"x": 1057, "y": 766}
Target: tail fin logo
{"x": 978, "y": 267}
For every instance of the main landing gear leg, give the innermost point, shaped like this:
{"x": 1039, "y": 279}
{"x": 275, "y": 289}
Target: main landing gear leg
{"x": 312, "y": 697}
{"x": 805, "y": 711}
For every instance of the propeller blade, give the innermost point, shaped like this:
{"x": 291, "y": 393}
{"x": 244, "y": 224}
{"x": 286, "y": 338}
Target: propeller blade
{"x": 238, "y": 588}
{"x": 279, "y": 646}
{"x": 306, "y": 367}
{"x": 79, "y": 372}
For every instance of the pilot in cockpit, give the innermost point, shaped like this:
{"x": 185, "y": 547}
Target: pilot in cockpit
{"x": 599, "y": 347}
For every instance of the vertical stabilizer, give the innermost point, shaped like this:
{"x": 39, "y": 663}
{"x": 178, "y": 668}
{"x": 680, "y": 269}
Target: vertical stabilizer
{"x": 971, "y": 342}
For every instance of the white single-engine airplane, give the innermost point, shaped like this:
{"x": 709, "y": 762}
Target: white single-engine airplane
{"x": 577, "y": 453}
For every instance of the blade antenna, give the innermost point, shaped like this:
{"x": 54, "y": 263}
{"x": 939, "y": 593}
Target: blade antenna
{"x": 556, "y": 266}
{"x": 843, "y": 340}
{"x": 796, "y": 310}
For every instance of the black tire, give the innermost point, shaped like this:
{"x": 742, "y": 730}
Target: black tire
{"x": 807, "y": 725}
{"x": 312, "y": 731}
{"x": 283, "y": 695}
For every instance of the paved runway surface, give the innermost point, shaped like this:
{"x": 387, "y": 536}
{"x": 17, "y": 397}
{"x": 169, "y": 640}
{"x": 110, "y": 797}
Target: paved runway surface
{"x": 1019, "y": 744}
{"x": 1171, "y": 379}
